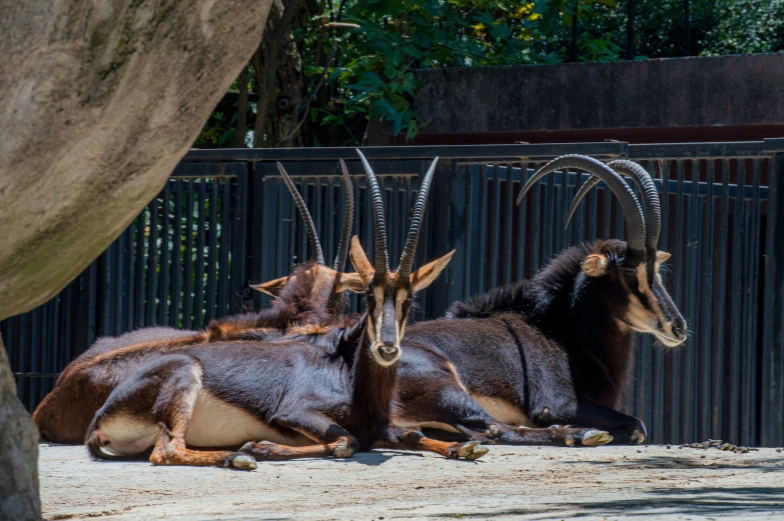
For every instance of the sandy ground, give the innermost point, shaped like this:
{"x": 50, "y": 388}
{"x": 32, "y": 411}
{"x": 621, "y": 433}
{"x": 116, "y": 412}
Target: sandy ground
{"x": 610, "y": 483}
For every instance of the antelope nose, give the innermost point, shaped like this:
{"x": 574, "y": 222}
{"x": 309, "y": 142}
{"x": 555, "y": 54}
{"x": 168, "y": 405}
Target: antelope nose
{"x": 679, "y": 330}
{"x": 388, "y": 352}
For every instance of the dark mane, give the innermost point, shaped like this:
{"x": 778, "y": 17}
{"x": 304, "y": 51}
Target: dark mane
{"x": 531, "y": 295}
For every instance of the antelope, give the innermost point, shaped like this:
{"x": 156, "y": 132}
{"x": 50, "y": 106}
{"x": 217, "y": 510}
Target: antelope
{"x": 304, "y": 309}
{"x": 303, "y": 401}
{"x": 557, "y": 348}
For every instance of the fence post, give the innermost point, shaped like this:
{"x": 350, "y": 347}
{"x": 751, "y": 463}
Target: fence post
{"x": 772, "y": 417}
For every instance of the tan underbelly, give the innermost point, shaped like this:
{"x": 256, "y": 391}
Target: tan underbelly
{"x": 216, "y": 423}
{"x": 499, "y": 409}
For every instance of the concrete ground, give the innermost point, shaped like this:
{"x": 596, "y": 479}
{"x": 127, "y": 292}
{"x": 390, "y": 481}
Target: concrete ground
{"x": 609, "y": 483}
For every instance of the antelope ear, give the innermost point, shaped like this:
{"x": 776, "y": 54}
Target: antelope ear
{"x": 662, "y": 256}
{"x": 425, "y": 275}
{"x": 351, "y": 282}
{"x": 273, "y": 287}
{"x": 595, "y": 265}
{"x": 361, "y": 263}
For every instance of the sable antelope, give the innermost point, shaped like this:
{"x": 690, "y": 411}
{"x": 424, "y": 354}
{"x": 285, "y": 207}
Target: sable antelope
{"x": 306, "y": 401}
{"x": 302, "y": 309}
{"x": 559, "y": 348}
{"x": 430, "y": 393}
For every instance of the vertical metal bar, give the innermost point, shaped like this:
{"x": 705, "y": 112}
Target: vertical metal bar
{"x": 119, "y": 283}
{"x": 201, "y": 241}
{"x": 239, "y": 252}
{"x": 736, "y": 326}
{"x": 535, "y": 196}
{"x": 141, "y": 279}
{"x": 677, "y": 431}
{"x": 483, "y": 202}
{"x": 660, "y": 357}
{"x": 152, "y": 265}
{"x": 748, "y": 427}
{"x": 772, "y": 367}
{"x": 522, "y": 223}
{"x": 508, "y": 225}
{"x": 719, "y": 383}
{"x": 459, "y": 230}
{"x": 549, "y": 202}
{"x": 495, "y": 227}
{"x": 266, "y": 251}
{"x": 607, "y": 215}
{"x": 328, "y": 225}
{"x": 212, "y": 255}
{"x": 692, "y": 251}
{"x": 175, "y": 318}
{"x": 164, "y": 290}
{"x": 757, "y": 335}
{"x": 706, "y": 332}
{"x": 187, "y": 312}
{"x": 301, "y": 234}
{"x": 472, "y": 229}
{"x": 225, "y": 246}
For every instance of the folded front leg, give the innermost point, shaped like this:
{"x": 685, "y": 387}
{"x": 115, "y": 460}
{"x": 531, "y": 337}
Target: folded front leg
{"x": 395, "y": 437}
{"x": 329, "y": 438}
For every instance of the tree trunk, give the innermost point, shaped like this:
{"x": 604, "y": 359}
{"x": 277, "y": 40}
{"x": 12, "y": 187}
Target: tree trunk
{"x": 100, "y": 100}
{"x": 18, "y": 452}
{"x": 278, "y": 75}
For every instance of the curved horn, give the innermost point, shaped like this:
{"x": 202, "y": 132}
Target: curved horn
{"x": 635, "y": 222}
{"x": 379, "y": 225}
{"x": 650, "y": 196}
{"x": 310, "y": 227}
{"x": 348, "y": 221}
{"x": 407, "y": 257}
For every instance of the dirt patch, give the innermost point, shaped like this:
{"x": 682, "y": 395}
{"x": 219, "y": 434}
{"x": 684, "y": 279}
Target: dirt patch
{"x": 610, "y": 483}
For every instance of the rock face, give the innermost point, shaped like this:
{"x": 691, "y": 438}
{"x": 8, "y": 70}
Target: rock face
{"x": 98, "y": 102}
{"x": 18, "y": 452}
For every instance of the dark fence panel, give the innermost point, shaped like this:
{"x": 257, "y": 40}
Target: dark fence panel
{"x": 719, "y": 199}
{"x": 179, "y": 264}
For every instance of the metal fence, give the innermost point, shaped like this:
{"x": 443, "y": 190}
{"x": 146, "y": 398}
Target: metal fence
{"x": 225, "y": 220}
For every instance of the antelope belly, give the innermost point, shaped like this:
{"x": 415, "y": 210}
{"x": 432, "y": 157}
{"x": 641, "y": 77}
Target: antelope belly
{"x": 503, "y": 411}
{"x": 418, "y": 425}
{"x": 216, "y": 423}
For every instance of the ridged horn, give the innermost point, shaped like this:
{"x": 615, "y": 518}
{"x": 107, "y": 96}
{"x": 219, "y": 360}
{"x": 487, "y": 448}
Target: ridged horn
{"x": 650, "y": 198}
{"x": 379, "y": 225}
{"x": 310, "y": 227}
{"x": 633, "y": 215}
{"x": 409, "y": 249}
{"x": 348, "y": 221}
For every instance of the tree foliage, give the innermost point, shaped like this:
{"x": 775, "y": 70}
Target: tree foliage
{"x": 371, "y": 76}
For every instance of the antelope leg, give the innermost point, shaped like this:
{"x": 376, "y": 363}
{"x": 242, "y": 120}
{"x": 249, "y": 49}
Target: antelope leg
{"x": 395, "y": 437}
{"x": 153, "y": 407}
{"x": 625, "y": 429}
{"x": 330, "y": 439}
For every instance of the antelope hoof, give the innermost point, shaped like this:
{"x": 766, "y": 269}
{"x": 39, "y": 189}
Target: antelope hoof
{"x": 260, "y": 451}
{"x": 594, "y": 438}
{"x": 477, "y": 453}
{"x": 343, "y": 450}
{"x": 471, "y": 450}
{"x": 638, "y": 437}
{"x": 244, "y": 462}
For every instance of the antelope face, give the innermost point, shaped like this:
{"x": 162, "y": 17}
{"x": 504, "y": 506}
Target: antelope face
{"x": 648, "y": 306}
{"x": 389, "y": 297}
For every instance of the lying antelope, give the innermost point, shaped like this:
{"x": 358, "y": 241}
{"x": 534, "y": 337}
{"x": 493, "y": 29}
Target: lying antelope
{"x": 303, "y": 308}
{"x": 558, "y": 348}
{"x": 303, "y": 401}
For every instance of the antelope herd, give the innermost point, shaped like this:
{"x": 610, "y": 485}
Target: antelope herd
{"x": 544, "y": 361}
